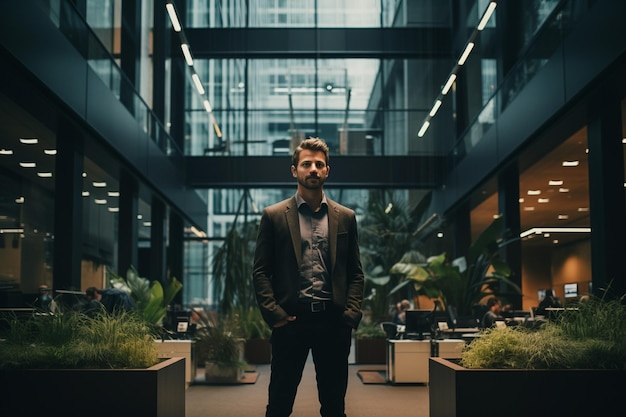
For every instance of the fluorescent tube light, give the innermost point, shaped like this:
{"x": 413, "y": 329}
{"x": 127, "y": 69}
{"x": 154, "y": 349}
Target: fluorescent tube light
{"x": 486, "y": 15}
{"x": 446, "y": 88}
{"x": 423, "y": 129}
{"x": 466, "y": 53}
{"x": 207, "y": 106}
{"x": 28, "y": 164}
{"x": 569, "y": 163}
{"x": 171, "y": 11}
{"x": 198, "y": 83}
{"x": 435, "y": 108}
{"x": 187, "y": 54}
{"x": 29, "y": 141}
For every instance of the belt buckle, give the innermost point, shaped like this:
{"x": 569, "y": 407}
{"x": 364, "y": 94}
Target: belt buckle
{"x": 318, "y": 306}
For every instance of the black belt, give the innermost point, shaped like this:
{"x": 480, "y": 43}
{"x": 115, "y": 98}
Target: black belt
{"x": 315, "y": 306}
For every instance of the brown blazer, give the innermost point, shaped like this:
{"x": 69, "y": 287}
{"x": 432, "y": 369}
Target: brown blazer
{"x": 278, "y": 256}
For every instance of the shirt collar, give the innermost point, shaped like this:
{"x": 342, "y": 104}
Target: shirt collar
{"x": 300, "y": 201}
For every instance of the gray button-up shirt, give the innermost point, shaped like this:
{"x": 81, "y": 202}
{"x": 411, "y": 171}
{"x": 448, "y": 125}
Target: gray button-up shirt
{"x": 314, "y": 277}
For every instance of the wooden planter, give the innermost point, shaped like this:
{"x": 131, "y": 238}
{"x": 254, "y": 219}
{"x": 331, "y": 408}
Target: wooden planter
{"x": 258, "y": 351}
{"x": 156, "y": 391}
{"x": 459, "y": 392}
{"x": 370, "y": 351}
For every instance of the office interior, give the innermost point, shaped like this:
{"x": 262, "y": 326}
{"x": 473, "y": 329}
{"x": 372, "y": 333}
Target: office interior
{"x": 130, "y": 137}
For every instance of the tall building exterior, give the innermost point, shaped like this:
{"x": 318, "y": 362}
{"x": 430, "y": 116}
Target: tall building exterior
{"x": 128, "y": 140}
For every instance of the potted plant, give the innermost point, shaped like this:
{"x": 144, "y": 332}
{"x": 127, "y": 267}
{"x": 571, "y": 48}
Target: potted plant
{"x": 256, "y": 332}
{"x": 370, "y": 344}
{"x": 566, "y": 366}
{"x": 222, "y": 350}
{"x": 109, "y": 354}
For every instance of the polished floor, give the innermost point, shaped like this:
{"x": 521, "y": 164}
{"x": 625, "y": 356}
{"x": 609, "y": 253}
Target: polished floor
{"x": 362, "y": 400}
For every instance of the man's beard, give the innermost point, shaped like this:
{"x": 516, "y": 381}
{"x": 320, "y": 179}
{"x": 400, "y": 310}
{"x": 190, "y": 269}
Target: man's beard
{"x": 311, "y": 185}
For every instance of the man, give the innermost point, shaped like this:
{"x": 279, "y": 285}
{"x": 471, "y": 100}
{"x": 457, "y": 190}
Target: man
{"x": 494, "y": 309}
{"x": 110, "y": 300}
{"x": 309, "y": 283}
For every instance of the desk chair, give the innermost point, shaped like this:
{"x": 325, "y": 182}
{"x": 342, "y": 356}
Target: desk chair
{"x": 390, "y": 329}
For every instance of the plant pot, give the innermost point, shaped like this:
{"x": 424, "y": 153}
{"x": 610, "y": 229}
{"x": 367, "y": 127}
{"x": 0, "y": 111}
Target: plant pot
{"x": 155, "y": 391}
{"x": 460, "y": 392}
{"x": 370, "y": 351}
{"x": 215, "y": 373}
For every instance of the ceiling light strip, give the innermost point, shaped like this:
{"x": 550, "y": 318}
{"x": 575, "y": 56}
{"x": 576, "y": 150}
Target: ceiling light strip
{"x": 542, "y": 230}
{"x": 462, "y": 59}
{"x": 186, "y": 50}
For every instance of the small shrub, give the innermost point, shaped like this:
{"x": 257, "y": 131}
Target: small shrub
{"x": 590, "y": 336}
{"x": 75, "y": 340}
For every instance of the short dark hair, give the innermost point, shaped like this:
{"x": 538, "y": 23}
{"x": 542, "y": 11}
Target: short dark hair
{"x": 311, "y": 144}
{"x": 492, "y": 302}
{"x": 91, "y": 292}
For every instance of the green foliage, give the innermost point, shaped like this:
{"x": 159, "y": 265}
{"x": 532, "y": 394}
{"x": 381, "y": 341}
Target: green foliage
{"x": 232, "y": 266}
{"x": 249, "y": 323}
{"x": 368, "y": 330}
{"x": 218, "y": 336}
{"x": 75, "y": 340}
{"x": 385, "y": 234}
{"x": 591, "y": 336}
{"x": 483, "y": 274}
{"x": 151, "y": 299}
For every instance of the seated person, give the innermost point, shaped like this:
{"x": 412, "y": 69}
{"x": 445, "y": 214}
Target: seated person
{"x": 494, "y": 308}
{"x": 107, "y": 299}
{"x": 549, "y": 301}
{"x": 400, "y": 316}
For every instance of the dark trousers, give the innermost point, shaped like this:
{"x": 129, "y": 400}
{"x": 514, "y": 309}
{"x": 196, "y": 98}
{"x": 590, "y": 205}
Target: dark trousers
{"x": 328, "y": 339}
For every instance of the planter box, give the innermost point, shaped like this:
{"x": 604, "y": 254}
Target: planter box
{"x": 459, "y": 392}
{"x": 258, "y": 351}
{"x": 370, "y": 351}
{"x": 180, "y": 349}
{"x": 156, "y": 391}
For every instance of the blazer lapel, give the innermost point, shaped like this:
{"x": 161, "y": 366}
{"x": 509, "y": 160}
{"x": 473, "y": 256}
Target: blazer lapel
{"x": 291, "y": 214}
{"x": 333, "y": 226}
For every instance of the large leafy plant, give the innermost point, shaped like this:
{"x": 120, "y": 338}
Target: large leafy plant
{"x": 151, "y": 297}
{"x": 466, "y": 281}
{"x": 385, "y": 233}
{"x": 232, "y": 266}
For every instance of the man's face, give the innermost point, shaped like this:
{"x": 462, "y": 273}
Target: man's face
{"x": 312, "y": 170}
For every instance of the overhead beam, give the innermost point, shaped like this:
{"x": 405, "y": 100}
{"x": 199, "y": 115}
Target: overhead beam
{"x": 406, "y": 43}
{"x": 416, "y": 172}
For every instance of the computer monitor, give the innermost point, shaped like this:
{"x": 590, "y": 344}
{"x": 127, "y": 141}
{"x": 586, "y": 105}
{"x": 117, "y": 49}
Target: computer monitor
{"x": 418, "y": 323}
{"x": 570, "y": 290}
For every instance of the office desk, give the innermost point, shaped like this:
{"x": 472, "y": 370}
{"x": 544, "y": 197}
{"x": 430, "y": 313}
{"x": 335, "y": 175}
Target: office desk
{"x": 407, "y": 360}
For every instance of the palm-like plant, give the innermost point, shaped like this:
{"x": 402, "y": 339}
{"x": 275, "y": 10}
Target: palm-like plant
{"x": 385, "y": 233}
{"x": 151, "y": 297}
{"x": 465, "y": 281}
{"x": 232, "y": 268}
